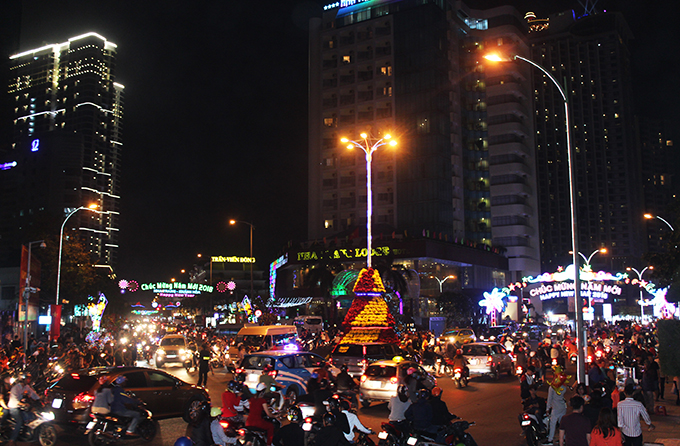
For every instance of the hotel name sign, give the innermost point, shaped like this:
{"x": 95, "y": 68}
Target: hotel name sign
{"x": 348, "y": 253}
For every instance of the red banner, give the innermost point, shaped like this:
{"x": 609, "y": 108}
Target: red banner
{"x": 55, "y": 327}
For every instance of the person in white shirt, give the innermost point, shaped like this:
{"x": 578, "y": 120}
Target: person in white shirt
{"x": 557, "y": 407}
{"x": 19, "y": 389}
{"x": 353, "y": 421}
{"x": 216, "y": 429}
{"x": 629, "y": 412}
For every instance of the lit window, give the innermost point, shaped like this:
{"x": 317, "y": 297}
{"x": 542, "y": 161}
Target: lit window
{"x": 328, "y": 224}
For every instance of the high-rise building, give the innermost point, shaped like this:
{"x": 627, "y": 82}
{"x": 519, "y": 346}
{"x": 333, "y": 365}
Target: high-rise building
{"x": 66, "y": 142}
{"x": 590, "y": 55}
{"x": 463, "y": 168}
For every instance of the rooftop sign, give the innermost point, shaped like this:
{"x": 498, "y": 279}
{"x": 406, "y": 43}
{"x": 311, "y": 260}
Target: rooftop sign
{"x": 232, "y": 259}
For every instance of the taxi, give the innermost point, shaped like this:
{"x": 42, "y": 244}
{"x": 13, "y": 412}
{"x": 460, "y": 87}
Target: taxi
{"x": 292, "y": 369}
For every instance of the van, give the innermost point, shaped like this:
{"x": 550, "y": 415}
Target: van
{"x": 263, "y": 337}
{"x": 313, "y": 324}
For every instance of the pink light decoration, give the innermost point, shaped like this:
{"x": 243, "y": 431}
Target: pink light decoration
{"x": 221, "y": 287}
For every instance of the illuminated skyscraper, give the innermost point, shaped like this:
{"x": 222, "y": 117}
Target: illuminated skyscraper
{"x": 66, "y": 144}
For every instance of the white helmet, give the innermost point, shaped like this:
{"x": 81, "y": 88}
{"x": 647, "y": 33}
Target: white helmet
{"x": 260, "y": 387}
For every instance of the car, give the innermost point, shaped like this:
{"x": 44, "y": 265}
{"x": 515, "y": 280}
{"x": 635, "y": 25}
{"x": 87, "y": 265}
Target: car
{"x": 382, "y": 378}
{"x": 174, "y": 348}
{"x": 495, "y": 333}
{"x": 458, "y": 336}
{"x": 292, "y": 369}
{"x": 487, "y": 358}
{"x": 358, "y": 356}
{"x": 72, "y": 395}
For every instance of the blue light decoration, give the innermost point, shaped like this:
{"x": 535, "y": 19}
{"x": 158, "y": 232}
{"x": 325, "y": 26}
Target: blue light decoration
{"x": 35, "y": 145}
{"x": 7, "y": 166}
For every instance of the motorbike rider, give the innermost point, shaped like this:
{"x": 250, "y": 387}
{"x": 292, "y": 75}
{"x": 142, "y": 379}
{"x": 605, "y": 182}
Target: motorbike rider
{"x": 420, "y": 413}
{"x": 267, "y": 379}
{"x": 440, "y": 411}
{"x": 103, "y": 397}
{"x": 321, "y": 395}
{"x": 201, "y": 432}
{"x": 527, "y": 380}
{"x": 258, "y": 410}
{"x": 459, "y": 361}
{"x": 22, "y": 387}
{"x": 5, "y": 387}
{"x": 353, "y": 421}
{"x": 414, "y": 383}
{"x": 535, "y": 405}
{"x": 291, "y": 434}
{"x": 330, "y": 434}
{"x": 232, "y": 405}
{"x": 398, "y": 405}
{"x": 347, "y": 385}
{"x": 216, "y": 429}
{"x": 120, "y": 399}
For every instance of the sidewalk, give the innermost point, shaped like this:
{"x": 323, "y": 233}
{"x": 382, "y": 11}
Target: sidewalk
{"x": 667, "y": 430}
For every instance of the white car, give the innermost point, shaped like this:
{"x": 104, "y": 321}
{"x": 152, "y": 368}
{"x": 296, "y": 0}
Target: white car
{"x": 487, "y": 358}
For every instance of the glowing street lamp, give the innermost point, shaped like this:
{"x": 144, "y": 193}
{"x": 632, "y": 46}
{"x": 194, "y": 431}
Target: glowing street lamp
{"x": 580, "y": 328}
{"x": 233, "y": 222}
{"x": 441, "y": 281}
{"x": 650, "y": 216}
{"x": 587, "y": 259}
{"x": 640, "y": 301}
{"x": 369, "y": 145}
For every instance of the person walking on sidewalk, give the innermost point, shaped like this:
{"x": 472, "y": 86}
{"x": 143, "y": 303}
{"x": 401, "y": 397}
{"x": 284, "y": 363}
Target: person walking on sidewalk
{"x": 629, "y": 412}
{"x": 575, "y": 427}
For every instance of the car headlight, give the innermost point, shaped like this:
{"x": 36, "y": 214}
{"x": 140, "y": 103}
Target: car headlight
{"x": 47, "y": 415}
{"x": 182, "y": 351}
{"x": 160, "y": 352}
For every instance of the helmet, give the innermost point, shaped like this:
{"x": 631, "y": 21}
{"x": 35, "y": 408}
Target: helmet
{"x": 121, "y": 380}
{"x": 294, "y": 414}
{"x": 459, "y": 351}
{"x": 328, "y": 419}
{"x": 268, "y": 368}
{"x": 184, "y": 441}
{"x": 332, "y": 404}
{"x": 234, "y": 386}
{"x": 410, "y": 370}
{"x": 215, "y": 412}
{"x": 323, "y": 383}
{"x": 402, "y": 393}
{"x": 436, "y": 391}
{"x": 424, "y": 393}
{"x": 260, "y": 387}
{"x": 344, "y": 405}
{"x": 314, "y": 375}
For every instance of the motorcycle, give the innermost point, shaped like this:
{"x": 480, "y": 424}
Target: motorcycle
{"x": 363, "y": 439}
{"x": 460, "y": 377}
{"x": 393, "y": 434}
{"x": 39, "y": 427}
{"x": 106, "y": 429}
{"x": 533, "y": 434}
{"x": 252, "y": 436}
{"x": 231, "y": 427}
{"x": 454, "y": 434}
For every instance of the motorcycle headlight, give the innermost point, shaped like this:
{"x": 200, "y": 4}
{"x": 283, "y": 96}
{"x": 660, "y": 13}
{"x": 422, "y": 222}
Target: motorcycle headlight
{"x": 47, "y": 415}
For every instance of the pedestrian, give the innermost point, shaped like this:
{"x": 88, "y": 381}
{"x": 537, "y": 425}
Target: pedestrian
{"x": 629, "y": 412}
{"x": 575, "y": 427}
{"x": 650, "y": 384}
{"x": 605, "y": 432}
{"x": 557, "y": 407}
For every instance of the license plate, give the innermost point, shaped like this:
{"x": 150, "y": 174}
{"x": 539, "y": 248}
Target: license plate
{"x": 307, "y": 427}
{"x": 171, "y": 356}
{"x": 373, "y": 384}
{"x": 57, "y": 402}
{"x": 473, "y": 361}
{"x": 382, "y": 435}
{"x": 90, "y": 425}
{"x": 526, "y": 422}
{"x": 412, "y": 441}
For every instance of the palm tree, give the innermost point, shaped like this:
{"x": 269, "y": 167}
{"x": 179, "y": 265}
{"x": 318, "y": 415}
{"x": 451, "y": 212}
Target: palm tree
{"x": 320, "y": 277}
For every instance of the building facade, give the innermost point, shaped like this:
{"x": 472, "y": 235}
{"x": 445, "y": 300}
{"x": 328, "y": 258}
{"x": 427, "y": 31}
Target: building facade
{"x": 66, "y": 144}
{"x": 463, "y": 167}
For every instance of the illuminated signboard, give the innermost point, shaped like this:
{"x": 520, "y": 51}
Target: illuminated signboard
{"x": 345, "y": 253}
{"x": 232, "y": 259}
{"x": 167, "y": 289}
{"x": 276, "y": 264}
{"x": 592, "y": 290}
{"x": 352, "y": 6}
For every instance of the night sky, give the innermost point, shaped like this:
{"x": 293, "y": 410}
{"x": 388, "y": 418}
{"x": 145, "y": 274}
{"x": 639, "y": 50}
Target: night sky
{"x": 215, "y": 120}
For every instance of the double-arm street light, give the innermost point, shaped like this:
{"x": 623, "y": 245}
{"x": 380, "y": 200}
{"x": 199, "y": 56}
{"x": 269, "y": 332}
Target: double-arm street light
{"x": 369, "y": 145}
{"x": 28, "y": 289}
{"x": 580, "y": 328}
{"x": 233, "y": 222}
{"x": 93, "y": 208}
{"x": 441, "y": 281}
{"x": 639, "y": 274}
{"x": 589, "y": 258}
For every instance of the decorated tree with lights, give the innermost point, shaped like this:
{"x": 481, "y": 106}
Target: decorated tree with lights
{"x": 369, "y": 318}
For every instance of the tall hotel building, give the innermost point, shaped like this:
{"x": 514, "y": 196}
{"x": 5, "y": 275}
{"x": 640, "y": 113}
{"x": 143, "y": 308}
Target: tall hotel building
{"x": 66, "y": 144}
{"x": 590, "y": 54}
{"x": 464, "y": 166}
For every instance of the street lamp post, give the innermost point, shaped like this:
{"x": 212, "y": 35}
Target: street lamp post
{"x": 369, "y": 145}
{"x": 640, "y": 301}
{"x": 92, "y": 207}
{"x": 441, "y": 281}
{"x": 233, "y": 222}
{"x": 580, "y": 328}
{"x": 27, "y": 292}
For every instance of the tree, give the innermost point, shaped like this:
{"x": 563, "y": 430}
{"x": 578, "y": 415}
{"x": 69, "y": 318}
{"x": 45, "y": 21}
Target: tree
{"x": 459, "y": 308}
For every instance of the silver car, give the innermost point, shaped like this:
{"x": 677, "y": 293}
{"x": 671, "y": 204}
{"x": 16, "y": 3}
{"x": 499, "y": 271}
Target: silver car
{"x": 382, "y": 378}
{"x": 487, "y": 358}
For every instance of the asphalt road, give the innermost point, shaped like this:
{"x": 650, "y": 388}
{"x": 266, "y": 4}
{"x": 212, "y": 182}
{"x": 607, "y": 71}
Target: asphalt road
{"x": 492, "y": 405}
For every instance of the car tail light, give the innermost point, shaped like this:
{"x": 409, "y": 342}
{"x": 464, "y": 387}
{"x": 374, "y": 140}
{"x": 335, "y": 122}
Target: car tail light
{"x": 82, "y": 401}
{"x": 364, "y": 378}
{"x": 393, "y": 380}
{"x": 489, "y": 360}
{"x": 238, "y": 371}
